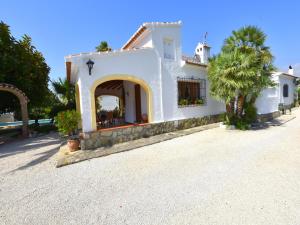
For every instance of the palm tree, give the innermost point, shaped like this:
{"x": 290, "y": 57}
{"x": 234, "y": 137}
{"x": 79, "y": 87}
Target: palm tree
{"x": 65, "y": 92}
{"x": 103, "y": 47}
{"x": 242, "y": 69}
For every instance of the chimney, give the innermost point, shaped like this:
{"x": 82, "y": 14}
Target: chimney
{"x": 291, "y": 70}
{"x": 203, "y": 52}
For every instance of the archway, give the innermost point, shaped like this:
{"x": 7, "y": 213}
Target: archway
{"x": 23, "y": 102}
{"x": 139, "y": 86}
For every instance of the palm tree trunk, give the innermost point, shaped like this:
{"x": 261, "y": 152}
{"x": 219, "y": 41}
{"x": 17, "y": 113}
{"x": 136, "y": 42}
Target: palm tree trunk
{"x": 240, "y": 105}
{"x": 230, "y": 110}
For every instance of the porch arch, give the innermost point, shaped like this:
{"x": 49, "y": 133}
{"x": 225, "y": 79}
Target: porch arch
{"x": 23, "y": 102}
{"x": 131, "y": 78}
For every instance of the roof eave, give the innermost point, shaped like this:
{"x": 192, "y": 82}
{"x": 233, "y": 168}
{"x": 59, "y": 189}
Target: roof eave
{"x": 134, "y": 37}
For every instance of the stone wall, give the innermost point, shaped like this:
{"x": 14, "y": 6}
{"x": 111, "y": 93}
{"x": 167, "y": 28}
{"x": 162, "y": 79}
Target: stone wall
{"x": 268, "y": 116}
{"x": 109, "y": 137}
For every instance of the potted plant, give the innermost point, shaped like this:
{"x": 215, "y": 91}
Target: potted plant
{"x": 183, "y": 102}
{"x": 67, "y": 124}
{"x": 145, "y": 118}
{"x": 199, "y": 101}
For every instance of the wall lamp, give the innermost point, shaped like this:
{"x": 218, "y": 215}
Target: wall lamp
{"x": 90, "y": 65}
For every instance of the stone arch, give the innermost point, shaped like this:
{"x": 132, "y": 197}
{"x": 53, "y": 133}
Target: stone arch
{"x": 23, "y": 102}
{"x": 124, "y": 77}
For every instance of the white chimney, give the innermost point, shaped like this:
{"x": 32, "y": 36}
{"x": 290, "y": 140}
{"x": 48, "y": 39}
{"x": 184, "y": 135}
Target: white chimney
{"x": 291, "y": 70}
{"x": 203, "y": 52}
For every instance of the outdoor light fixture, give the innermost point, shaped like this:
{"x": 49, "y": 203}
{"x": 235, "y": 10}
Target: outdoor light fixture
{"x": 90, "y": 65}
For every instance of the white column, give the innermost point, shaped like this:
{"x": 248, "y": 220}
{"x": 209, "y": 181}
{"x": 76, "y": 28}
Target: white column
{"x": 86, "y": 108}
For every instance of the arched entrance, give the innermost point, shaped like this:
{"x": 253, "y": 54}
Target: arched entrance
{"x": 23, "y": 102}
{"x": 135, "y": 97}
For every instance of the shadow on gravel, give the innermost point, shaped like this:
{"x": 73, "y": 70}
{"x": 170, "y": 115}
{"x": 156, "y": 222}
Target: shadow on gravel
{"x": 30, "y": 144}
{"x": 43, "y": 157}
{"x": 266, "y": 125}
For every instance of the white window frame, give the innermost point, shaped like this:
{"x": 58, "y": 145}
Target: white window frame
{"x": 169, "y": 54}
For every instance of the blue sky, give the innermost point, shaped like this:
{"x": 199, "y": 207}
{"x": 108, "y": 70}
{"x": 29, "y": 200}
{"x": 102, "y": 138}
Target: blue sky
{"x": 59, "y": 28}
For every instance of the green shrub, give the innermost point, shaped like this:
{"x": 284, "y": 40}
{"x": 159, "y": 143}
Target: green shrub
{"x": 242, "y": 124}
{"x": 43, "y": 128}
{"x": 250, "y": 113}
{"x": 183, "y": 102}
{"x": 199, "y": 101}
{"x": 222, "y": 118}
{"x": 67, "y": 122}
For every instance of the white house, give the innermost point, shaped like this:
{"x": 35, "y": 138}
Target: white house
{"x": 150, "y": 75}
{"x": 284, "y": 92}
{"x": 154, "y": 81}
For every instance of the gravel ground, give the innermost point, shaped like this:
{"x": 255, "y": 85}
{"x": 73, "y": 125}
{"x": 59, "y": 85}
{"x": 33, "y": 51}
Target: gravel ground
{"x": 211, "y": 177}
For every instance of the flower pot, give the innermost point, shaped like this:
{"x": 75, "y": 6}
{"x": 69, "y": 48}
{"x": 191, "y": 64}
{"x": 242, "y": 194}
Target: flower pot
{"x": 145, "y": 118}
{"x": 73, "y": 145}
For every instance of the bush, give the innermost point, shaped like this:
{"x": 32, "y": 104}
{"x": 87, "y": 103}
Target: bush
{"x": 242, "y": 124}
{"x": 43, "y": 128}
{"x": 199, "y": 101}
{"x": 67, "y": 122}
{"x": 183, "y": 102}
{"x": 250, "y": 113}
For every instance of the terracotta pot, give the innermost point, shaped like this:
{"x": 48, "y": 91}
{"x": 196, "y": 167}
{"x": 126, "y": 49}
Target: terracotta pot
{"x": 145, "y": 118}
{"x": 73, "y": 145}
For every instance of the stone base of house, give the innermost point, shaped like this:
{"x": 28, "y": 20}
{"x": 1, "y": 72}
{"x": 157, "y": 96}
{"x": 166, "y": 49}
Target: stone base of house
{"x": 109, "y": 137}
{"x": 268, "y": 117}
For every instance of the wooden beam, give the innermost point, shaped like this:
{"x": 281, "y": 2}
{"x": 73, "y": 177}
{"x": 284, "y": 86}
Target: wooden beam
{"x": 117, "y": 85}
{"x": 68, "y": 70}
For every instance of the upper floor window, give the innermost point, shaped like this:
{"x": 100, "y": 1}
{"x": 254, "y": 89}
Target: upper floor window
{"x": 285, "y": 90}
{"x": 169, "y": 49}
{"x": 191, "y": 92}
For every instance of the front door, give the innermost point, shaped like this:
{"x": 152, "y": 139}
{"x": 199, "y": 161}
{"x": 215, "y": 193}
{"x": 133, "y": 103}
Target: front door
{"x": 138, "y": 109}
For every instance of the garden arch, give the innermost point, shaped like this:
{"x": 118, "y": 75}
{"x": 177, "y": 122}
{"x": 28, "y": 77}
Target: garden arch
{"x": 23, "y": 102}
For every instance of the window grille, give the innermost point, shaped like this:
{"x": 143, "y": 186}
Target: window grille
{"x": 191, "y": 91}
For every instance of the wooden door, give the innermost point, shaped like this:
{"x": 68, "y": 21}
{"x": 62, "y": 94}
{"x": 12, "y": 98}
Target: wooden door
{"x": 138, "y": 107}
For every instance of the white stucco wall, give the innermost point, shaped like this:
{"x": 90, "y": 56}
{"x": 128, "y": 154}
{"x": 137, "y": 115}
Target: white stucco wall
{"x": 289, "y": 81}
{"x": 170, "y": 94}
{"x": 171, "y": 69}
{"x": 268, "y": 101}
{"x": 148, "y": 65}
{"x": 141, "y": 64}
{"x": 270, "y": 98}
{"x": 130, "y": 116}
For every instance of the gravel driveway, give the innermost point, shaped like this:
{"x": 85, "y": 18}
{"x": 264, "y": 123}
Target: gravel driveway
{"x": 211, "y": 177}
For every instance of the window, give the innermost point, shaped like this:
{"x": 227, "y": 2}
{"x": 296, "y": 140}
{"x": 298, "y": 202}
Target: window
{"x": 191, "y": 92}
{"x": 169, "y": 51}
{"x": 285, "y": 90}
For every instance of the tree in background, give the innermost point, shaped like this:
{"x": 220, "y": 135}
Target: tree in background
{"x": 65, "y": 92}
{"x": 103, "y": 47}
{"x": 240, "y": 72}
{"x": 22, "y": 65}
{"x": 64, "y": 97}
